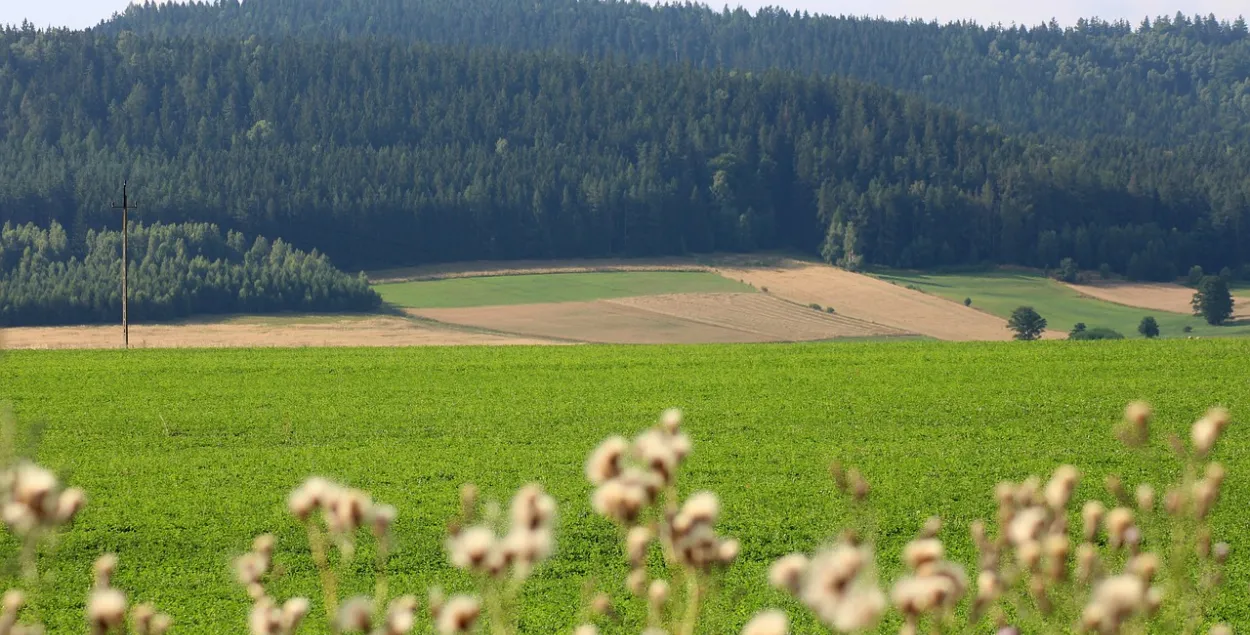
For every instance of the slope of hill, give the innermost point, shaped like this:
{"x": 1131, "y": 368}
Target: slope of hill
{"x": 1171, "y": 80}
{"x": 389, "y": 153}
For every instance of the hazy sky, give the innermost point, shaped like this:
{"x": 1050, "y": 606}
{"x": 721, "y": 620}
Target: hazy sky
{"x": 82, "y": 13}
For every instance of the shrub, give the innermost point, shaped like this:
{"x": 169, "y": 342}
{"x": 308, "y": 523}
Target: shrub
{"x": 829, "y": 309}
{"x": 1078, "y": 328}
{"x": 1027, "y": 324}
{"x": 1097, "y": 333}
{"x": 967, "y": 301}
{"x": 1188, "y": 329}
{"x": 1148, "y": 327}
{"x": 815, "y": 306}
{"x": 1104, "y": 271}
{"x": 764, "y": 289}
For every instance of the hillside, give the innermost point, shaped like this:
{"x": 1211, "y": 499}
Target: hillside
{"x": 383, "y": 153}
{"x": 1173, "y": 79}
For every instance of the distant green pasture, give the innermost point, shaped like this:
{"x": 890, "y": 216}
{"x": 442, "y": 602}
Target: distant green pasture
{"x": 551, "y": 287}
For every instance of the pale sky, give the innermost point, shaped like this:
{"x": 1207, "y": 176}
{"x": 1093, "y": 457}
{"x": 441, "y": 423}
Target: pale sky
{"x": 83, "y": 13}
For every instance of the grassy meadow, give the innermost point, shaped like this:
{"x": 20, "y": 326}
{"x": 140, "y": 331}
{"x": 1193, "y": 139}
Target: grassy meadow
{"x": 1000, "y": 292}
{"x": 187, "y": 454}
{"x": 551, "y": 287}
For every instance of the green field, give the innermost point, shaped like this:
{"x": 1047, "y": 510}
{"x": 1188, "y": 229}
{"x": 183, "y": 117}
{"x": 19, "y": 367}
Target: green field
{"x": 551, "y": 287}
{"x": 188, "y": 454}
{"x": 1000, "y": 292}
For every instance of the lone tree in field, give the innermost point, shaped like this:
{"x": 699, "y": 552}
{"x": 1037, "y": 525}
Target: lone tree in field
{"x": 1027, "y": 324}
{"x": 1148, "y": 327}
{"x": 1213, "y": 300}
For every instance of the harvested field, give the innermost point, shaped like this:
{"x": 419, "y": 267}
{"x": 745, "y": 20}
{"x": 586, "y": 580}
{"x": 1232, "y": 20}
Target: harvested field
{"x": 873, "y": 301}
{"x": 760, "y": 313}
{"x": 694, "y": 318}
{"x": 1158, "y": 296}
{"x": 277, "y": 332}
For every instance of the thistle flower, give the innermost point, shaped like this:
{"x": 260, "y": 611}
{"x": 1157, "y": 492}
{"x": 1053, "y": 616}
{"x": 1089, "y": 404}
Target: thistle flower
{"x": 1145, "y": 497}
{"x": 636, "y": 542}
{"x": 654, "y": 450}
{"x": 919, "y": 553}
{"x": 355, "y": 615}
{"x": 532, "y": 508}
{"x": 106, "y": 610}
{"x": 701, "y": 508}
{"x": 619, "y": 500}
{"x": 636, "y": 581}
{"x": 1029, "y": 554}
{"x": 265, "y": 618}
{"x": 861, "y": 610}
{"x": 1117, "y": 599}
{"x": 1027, "y": 526}
{"x": 400, "y": 615}
{"x": 1137, "y": 419}
{"x": 1207, "y": 430}
{"x": 605, "y": 462}
{"x": 1059, "y": 489}
{"x": 657, "y": 595}
{"x": 381, "y": 517}
{"x": 1118, "y": 523}
{"x": 69, "y": 504}
{"x": 458, "y": 615}
{"x": 469, "y": 550}
{"x": 104, "y": 567}
{"x": 770, "y": 622}
{"x": 249, "y": 568}
{"x": 293, "y": 612}
{"x": 586, "y": 629}
{"x": 727, "y": 551}
{"x": 1144, "y": 566}
{"x": 787, "y": 573}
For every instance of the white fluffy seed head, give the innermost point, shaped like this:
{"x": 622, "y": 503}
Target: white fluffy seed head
{"x": 861, "y": 611}
{"x": 770, "y": 622}
{"x": 250, "y": 568}
{"x": 728, "y": 550}
{"x": 470, "y": 549}
{"x": 701, "y": 508}
{"x": 787, "y": 573}
{"x": 106, "y": 608}
{"x": 586, "y": 629}
{"x": 355, "y": 615}
{"x": 658, "y": 593}
{"x": 458, "y": 615}
{"x": 293, "y": 612}
{"x": 670, "y": 421}
{"x": 1059, "y": 490}
{"x": 605, "y": 461}
{"x": 918, "y": 553}
{"x": 1026, "y": 526}
{"x": 636, "y": 543}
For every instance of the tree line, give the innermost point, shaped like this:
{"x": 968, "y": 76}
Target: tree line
{"x": 175, "y": 271}
{"x": 383, "y": 152}
{"x": 1171, "y": 79}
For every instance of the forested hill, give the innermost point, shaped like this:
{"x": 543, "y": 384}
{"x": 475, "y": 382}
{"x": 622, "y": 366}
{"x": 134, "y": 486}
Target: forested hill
{"x": 381, "y": 153}
{"x": 1171, "y": 80}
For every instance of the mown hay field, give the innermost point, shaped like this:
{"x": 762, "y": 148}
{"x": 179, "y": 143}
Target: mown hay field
{"x": 187, "y": 454}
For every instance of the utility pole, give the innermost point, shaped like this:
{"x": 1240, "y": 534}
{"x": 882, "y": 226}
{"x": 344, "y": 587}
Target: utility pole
{"x": 125, "y": 207}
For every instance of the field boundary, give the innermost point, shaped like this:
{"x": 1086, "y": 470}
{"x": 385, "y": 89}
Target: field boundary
{"x": 502, "y": 268}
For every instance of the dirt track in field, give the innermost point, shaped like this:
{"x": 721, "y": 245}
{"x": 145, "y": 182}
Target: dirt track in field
{"x": 374, "y": 331}
{"x": 1158, "y": 296}
{"x": 872, "y": 300}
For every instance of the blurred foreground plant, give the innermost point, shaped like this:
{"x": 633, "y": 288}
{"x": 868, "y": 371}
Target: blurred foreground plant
{"x": 1135, "y": 567}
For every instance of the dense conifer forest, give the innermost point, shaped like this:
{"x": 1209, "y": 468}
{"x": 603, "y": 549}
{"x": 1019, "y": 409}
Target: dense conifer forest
{"x": 389, "y": 132}
{"x": 176, "y": 271}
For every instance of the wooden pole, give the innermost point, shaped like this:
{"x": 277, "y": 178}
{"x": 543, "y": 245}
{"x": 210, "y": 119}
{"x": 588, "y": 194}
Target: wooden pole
{"x": 125, "y": 207}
